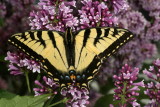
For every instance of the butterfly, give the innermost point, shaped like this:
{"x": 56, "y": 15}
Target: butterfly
{"x": 71, "y": 56}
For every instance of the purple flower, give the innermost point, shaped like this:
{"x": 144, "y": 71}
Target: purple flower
{"x": 52, "y": 16}
{"x": 135, "y": 104}
{"x": 149, "y": 74}
{"x": 30, "y": 64}
{"x": 49, "y": 2}
{"x": 133, "y": 21}
{"x": 150, "y": 4}
{"x": 49, "y": 86}
{"x": 119, "y": 5}
{"x": 152, "y": 103}
{"x": 126, "y": 86}
{"x": 153, "y": 32}
{"x": 111, "y": 105}
{"x": 156, "y": 63}
{"x": 14, "y": 70}
{"x": 2, "y": 10}
{"x": 18, "y": 61}
{"x": 153, "y": 88}
{"x": 141, "y": 84}
{"x": 155, "y": 14}
{"x": 148, "y": 50}
{"x": 134, "y": 5}
{"x": 13, "y": 58}
{"x": 94, "y": 14}
{"x": 78, "y": 96}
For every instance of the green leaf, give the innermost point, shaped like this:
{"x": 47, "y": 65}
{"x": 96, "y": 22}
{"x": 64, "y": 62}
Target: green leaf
{"x": 1, "y": 22}
{"x": 108, "y": 86}
{"x": 39, "y": 99}
{"x": 2, "y": 58}
{"x": 7, "y": 95}
{"x": 24, "y": 101}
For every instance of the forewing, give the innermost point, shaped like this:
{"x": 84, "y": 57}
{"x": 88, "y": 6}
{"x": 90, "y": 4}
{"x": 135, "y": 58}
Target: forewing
{"x": 48, "y": 47}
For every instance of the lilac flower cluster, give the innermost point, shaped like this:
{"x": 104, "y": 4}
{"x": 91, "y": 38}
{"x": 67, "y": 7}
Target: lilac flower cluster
{"x": 135, "y": 21}
{"x": 95, "y": 14}
{"x": 19, "y": 61}
{"x": 60, "y": 15}
{"x": 126, "y": 86}
{"x": 129, "y": 20}
{"x": 153, "y": 88}
{"x": 77, "y": 96}
{"x": 53, "y": 16}
{"x": 119, "y": 5}
{"x": 153, "y": 33}
{"x": 150, "y": 5}
{"x": 49, "y": 87}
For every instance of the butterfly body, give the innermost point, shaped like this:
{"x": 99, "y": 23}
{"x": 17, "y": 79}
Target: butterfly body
{"x": 71, "y": 57}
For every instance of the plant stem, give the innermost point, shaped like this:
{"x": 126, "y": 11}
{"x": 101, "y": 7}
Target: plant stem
{"x": 27, "y": 80}
{"x": 124, "y": 94}
{"x": 49, "y": 101}
{"x": 61, "y": 101}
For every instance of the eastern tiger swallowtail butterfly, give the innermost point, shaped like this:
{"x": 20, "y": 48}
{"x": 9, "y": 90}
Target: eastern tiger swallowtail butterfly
{"x": 71, "y": 56}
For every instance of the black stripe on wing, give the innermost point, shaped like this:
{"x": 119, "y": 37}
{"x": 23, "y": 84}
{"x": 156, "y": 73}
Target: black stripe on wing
{"x": 39, "y": 35}
{"x": 22, "y": 47}
{"x": 51, "y": 36}
{"x": 31, "y": 34}
{"x": 92, "y": 70}
{"x": 99, "y": 33}
{"x": 115, "y": 32}
{"x": 106, "y": 32}
{"x": 54, "y": 43}
{"x": 23, "y": 36}
{"x": 86, "y": 36}
{"x": 113, "y": 48}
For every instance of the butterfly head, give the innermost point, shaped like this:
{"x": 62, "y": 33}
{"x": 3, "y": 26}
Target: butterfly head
{"x": 72, "y": 75}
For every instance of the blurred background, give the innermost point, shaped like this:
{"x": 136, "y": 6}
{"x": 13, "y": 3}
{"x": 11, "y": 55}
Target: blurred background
{"x": 142, "y": 17}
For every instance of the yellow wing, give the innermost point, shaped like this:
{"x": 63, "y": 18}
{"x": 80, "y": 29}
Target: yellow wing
{"x": 95, "y": 44}
{"x": 45, "y": 46}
